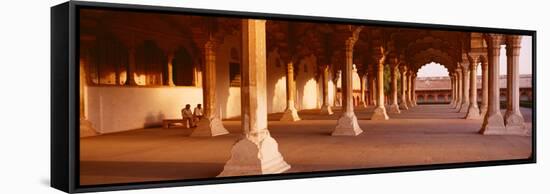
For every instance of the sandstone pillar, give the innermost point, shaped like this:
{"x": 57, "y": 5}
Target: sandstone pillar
{"x": 403, "y": 104}
{"x": 86, "y": 127}
{"x": 465, "y": 89}
{"x": 326, "y": 108}
{"x": 409, "y": 89}
{"x": 130, "y": 69}
{"x": 394, "y": 107}
{"x": 347, "y": 123}
{"x": 493, "y": 123}
{"x": 473, "y": 110}
{"x": 453, "y": 84}
{"x": 459, "y": 88}
{"x": 257, "y": 152}
{"x": 484, "y": 87}
{"x": 362, "y": 101}
{"x": 290, "y": 114}
{"x": 372, "y": 85}
{"x": 413, "y": 88}
{"x": 211, "y": 124}
{"x": 513, "y": 118}
{"x": 380, "y": 110}
{"x": 169, "y": 80}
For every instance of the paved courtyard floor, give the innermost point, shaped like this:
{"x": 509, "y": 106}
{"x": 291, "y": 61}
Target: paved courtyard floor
{"x": 427, "y": 134}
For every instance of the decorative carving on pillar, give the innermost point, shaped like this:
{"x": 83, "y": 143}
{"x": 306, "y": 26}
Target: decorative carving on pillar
{"x": 403, "y": 104}
{"x": 394, "y": 71}
{"x": 326, "y": 108}
{"x": 211, "y": 124}
{"x": 493, "y": 122}
{"x": 473, "y": 110}
{"x": 380, "y": 111}
{"x": 347, "y": 123}
{"x": 257, "y": 152}
{"x": 290, "y": 114}
{"x": 513, "y": 118}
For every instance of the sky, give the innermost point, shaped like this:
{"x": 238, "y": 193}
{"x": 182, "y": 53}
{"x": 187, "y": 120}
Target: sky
{"x": 525, "y": 61}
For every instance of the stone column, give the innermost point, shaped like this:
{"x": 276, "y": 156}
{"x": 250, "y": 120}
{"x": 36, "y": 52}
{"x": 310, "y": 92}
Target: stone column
{"x": 493, "y": 123}
{"x": 513, "y": 118}
{"x": 347, "y": 123}
{"x": 326, "y": 108}
{"x": 394, "y": 107}
{"x": 409, "y": 89}
{"x": 211, "y": 124}
{"x": 484, "y": 87}
{"x": 257, "y": 152}
{"x": 459, "y": 88}
{"x": 372, "y": 85}
{"x": 362, "y": 101}
{"x": 453, "y": 84}
{"x": 169, "y": 80}
{"x": 473, "y": 110}
{"x": 403, "y": 104}
{"x": 86, "y": 127}
{"x": 290, "y": 114}
{"x": 130, "y": 69}
{"x": 413, "y": 89}
{"x": 465, "y": 89}
{"x": 380, "y": 110}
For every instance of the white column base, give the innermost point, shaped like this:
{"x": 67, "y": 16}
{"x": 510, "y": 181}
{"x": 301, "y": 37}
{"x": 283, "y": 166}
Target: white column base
{"x": 464, "y": 107}
{"x": 290, "y": 114}
{"x": 326, "y": 110}
{"x": 403, "y": 106}
{"x": 86, "y": 129}
{"x": 494, "y": 125}
{"x": 255, "y": 158}
{"x": 209, "y": 128}
{"x": 514, "y": 122}
{"x": 347, "y": 125}
{"x": 394, "y": 108}
{"x": 380, "y": 114}
{"x": 473, "y": 113}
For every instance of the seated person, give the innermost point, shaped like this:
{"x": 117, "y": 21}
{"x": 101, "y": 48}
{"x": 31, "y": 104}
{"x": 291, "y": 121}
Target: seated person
{"x": 197, "y": 112}
{"x": 186, "y": 114}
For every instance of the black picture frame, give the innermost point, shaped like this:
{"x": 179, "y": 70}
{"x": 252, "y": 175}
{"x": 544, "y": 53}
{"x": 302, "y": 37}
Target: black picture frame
{"x": 64, "y": 95}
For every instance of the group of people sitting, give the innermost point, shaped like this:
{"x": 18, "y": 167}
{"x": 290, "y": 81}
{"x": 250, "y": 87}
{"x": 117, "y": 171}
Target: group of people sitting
{"x": 192, "y": 117}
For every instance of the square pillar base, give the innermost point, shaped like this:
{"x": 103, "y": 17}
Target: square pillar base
{"x": 209, "y": 128}
{"x": 394, "y": 108}
{"x": 379, "y": 114}
{"x": 347, "y": 126}
{"x": 255, "y": 158}
{"x": 464, "y": 107}
{"x": 290, "y": 114}
{"x": 494, "y": 125}
{"x": 326, "y": 110}
{"x": 86, "y": 129}
{"x": 473, "y": 113}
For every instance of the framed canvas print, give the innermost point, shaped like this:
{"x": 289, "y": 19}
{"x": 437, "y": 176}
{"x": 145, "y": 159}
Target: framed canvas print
{"x": 148, "y": 96}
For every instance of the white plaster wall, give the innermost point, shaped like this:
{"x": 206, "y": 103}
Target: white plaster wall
{"x": 119, "y": 108}
{"x": 307, "y": 84}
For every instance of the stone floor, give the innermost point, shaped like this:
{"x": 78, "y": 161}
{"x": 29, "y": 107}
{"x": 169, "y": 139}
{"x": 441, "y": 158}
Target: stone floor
{"x": 427, "y": 134}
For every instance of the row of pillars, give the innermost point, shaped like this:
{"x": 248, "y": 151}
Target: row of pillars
{"x": 464, "y": 88}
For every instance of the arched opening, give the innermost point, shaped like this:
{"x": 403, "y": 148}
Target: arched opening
{"x": 183, "y": 68}
{"x": 106, "y": 60}
{"x": 433, "y": 79}
{"x": 150, "y": 63}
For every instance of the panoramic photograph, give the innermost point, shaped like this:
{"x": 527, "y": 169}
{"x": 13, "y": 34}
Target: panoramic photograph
{"x": 174, "y": 96}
